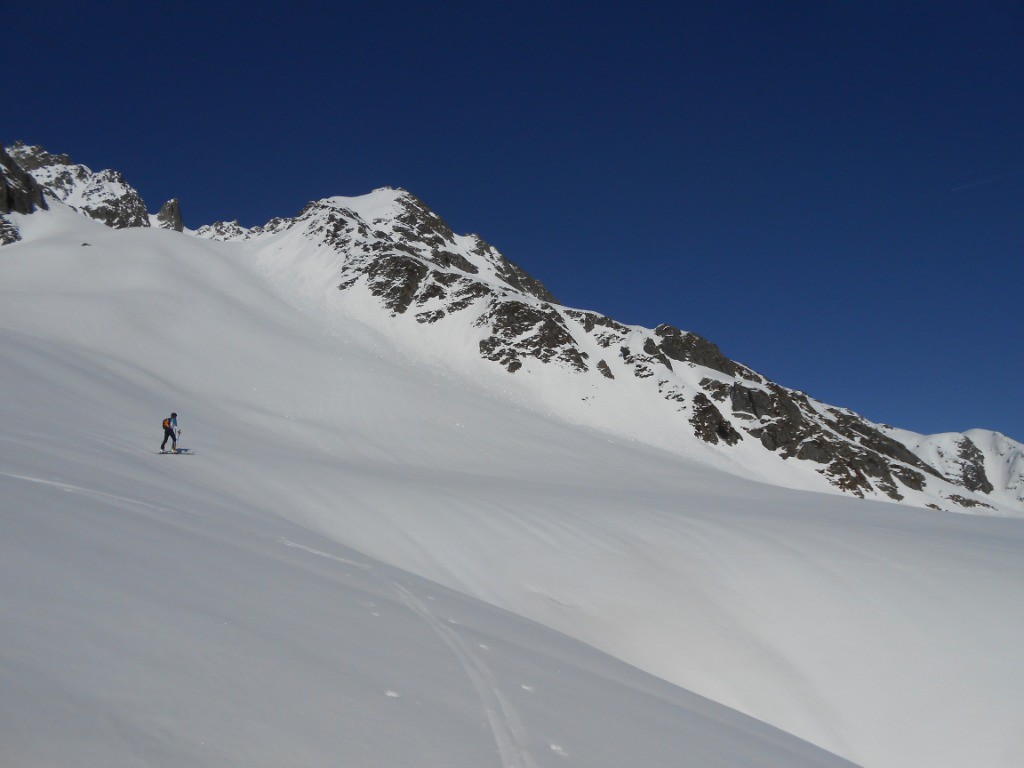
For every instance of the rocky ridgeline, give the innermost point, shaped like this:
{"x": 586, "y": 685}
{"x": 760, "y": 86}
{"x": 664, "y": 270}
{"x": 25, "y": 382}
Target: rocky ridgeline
{"x": 103, "y": 195}
{"x": 404, "y": 254}
{"x": 394, "y": 247}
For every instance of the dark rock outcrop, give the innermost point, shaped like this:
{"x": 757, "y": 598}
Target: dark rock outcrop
{"x": 169, "y": 216}
{"x": 8, "y": 232}
{"x": 968, "y": 503}
{"x": 19, "y": 191}
{"x": 858, "y": 457}
{"x": 522, "y": 330}
{"x": 691, "y": 348}
{"x": 972, "y": 474}
{"x": 709, "y": 424}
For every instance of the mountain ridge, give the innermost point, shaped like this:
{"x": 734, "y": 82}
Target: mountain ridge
{"x": 368, "y": 438}
{"x": 389, "y": 249}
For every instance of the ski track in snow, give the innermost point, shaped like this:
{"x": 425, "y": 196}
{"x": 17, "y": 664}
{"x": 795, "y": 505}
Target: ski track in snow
{"x": 509, "y": 733}
{"x": 508, "y": 730}
{"x": 89, "y": 492}
{"x": 505, "y": 724}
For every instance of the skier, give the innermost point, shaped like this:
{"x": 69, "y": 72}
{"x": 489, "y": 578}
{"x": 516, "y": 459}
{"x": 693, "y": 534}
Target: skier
{"x": 170, "y": 427}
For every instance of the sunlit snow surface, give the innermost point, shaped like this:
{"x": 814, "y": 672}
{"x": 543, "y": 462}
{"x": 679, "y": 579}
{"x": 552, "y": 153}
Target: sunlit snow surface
{"x": 364, "y": 560}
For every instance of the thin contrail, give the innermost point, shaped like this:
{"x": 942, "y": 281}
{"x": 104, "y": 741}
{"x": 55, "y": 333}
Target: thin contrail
{"x": 987, "y": 181}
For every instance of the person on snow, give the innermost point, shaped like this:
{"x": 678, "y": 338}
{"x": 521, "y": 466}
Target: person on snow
{"x": 170, "y": 427}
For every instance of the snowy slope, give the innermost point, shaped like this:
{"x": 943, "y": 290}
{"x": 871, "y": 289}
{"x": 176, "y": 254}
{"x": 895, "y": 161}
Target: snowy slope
{"x": 189, "y": 631}
{"x": 219, "y": 609}
{"x": 457, "y": 302}
{"x": 174, "y": 610}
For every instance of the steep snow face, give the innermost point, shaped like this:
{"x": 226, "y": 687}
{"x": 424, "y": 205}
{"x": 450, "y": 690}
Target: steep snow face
{"x": 219, "y": 608}
{"x": 103, "y": 195}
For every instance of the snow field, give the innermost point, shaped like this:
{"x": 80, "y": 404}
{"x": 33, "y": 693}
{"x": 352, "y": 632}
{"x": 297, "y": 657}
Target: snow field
{"x": 219, "y": 608}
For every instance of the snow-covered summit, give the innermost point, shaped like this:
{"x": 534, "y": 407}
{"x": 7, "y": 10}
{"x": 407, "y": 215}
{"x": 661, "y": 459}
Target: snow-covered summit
{"x": 389, "y": 221}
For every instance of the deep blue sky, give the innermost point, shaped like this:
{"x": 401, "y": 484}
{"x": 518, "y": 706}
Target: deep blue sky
{"x": 830, "y": 191}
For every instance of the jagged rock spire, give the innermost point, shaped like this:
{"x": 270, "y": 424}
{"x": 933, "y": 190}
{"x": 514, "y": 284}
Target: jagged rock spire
{"x": 169, "y": 216}
{"x": 19, "y": 193}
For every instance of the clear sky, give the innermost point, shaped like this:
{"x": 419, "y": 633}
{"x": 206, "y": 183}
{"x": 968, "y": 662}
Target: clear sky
{"x": 830, "y": 191}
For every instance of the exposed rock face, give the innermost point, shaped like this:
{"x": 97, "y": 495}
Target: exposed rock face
{"x": 858, "y": 457}
{"x": 691, "y": 348}
{"x": 8, "y": 232}
{"x": 973, "y": 476}
{"x": 169, "y": 216}
{"x": 19, "y": 192}
{"x": 709, "y": 424}
{"x": 104, "y": 196}
{"x": 522, "y": 330}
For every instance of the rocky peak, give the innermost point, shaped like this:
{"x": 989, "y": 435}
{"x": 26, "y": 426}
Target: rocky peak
{"x": 169, "y": 216}
{"x": 19, "y": 193}
{"x": 104, "y": 195}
